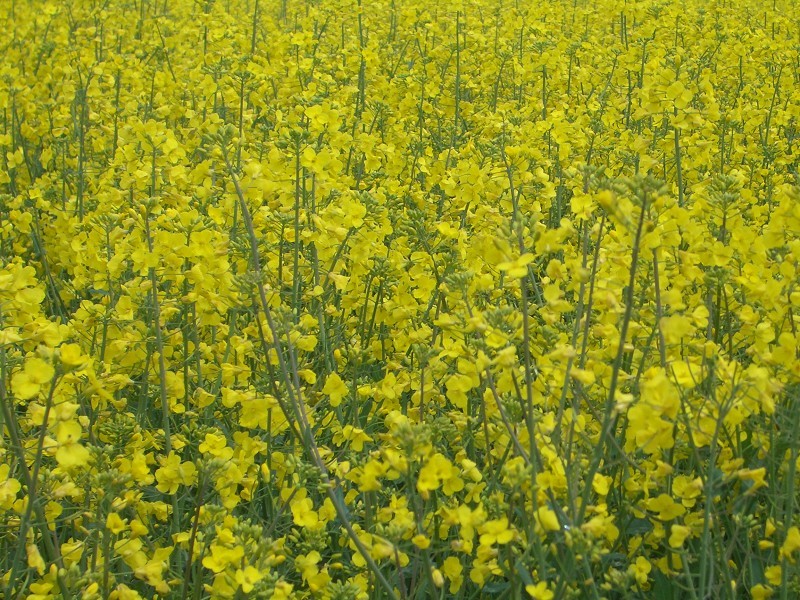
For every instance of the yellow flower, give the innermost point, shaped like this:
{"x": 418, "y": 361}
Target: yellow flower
{"x": 35, "y": 560}
{"x": 436, "y": 471}
{"x": 791, "y": 544}
{"x": 70, "y": 452}
{"x": 282, "y": 590}
{"x": 304, "y": 515}
{"x": 153, "y": 570}
{"x": 761, "y": 592}
{"x": 354, "y": 435}
{"x": 115, "y": 524}
{"x": 678, "y": 534}
{"x": 35, "y": 374}
{"x": 518, "y": 267}
{"x": 138, "y": 529}
{"x": 496, "y": 531}
{"x": 546, "y": 519}
{"x": 9, "y": 487}
{"x": 582, "y": 205}
{"x": 335, "y": 389}
{"x": 71, "y": 551}
{"x": 774, "y": 574}
{"x": 306, "y": 564}
{"x": 215, "y": 445}
{"x": 540, "y": 591}
{"x": 71, "y": 355}
{"x": 368, "y": 476}
{"x": 247, "y": 578}
{"x": 452, "y": 569}
{"x": 640, "y": 570}
{"x": 421, "y": 541}
{"x": 755, "y": 477}
{"x": 174, "y": 473}
{"x": 666, "y": 507}
{"x": 123, "y": 592}
{"x": 220, "y": 556}
{"x": 601, "y": 484}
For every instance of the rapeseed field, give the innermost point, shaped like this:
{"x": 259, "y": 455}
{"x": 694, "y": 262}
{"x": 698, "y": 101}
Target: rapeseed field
{"x": 399, "y": 299}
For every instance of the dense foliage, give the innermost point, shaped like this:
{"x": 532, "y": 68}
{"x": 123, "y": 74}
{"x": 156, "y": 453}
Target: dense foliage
{"x": 408, "y": 299}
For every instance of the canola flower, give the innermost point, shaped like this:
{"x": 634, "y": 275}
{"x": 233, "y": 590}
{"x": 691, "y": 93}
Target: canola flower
{"x": 343, "y": 300}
